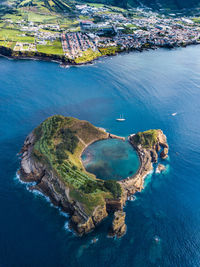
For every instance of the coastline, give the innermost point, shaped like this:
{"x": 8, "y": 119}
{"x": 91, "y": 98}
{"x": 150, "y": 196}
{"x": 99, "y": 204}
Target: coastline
{"x": 48, "y": 183}
{"x": 65, "y": 63}
{"x": 147, "y": 157}
{"x": 62, "y": 193}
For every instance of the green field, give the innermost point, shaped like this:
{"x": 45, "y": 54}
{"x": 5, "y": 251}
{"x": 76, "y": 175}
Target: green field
{"x": 47, "y": 6}
{"x": 9, "y": 35}
{"x": 54, "y": 48}
{"x": 39, "y": 17}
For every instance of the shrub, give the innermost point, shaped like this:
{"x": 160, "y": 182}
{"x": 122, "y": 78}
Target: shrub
{"x": 70, "y": 140}
{"x": 74, "y": 168}
{"x": 60, "y": 152}
{"x": 91, "y": 186}
{"x": 113, "y": 187}
{"x": 146, "y": 139}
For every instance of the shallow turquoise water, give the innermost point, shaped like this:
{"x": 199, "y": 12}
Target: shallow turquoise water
{"x": 147, "y": 88}
{"x": 111, "y": 159}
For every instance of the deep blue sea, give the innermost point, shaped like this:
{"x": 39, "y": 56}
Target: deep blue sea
{"x": 147, "y": 88}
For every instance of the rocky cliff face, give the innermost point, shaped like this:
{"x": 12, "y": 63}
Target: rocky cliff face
{"x": 148, "y": 156}
{"x": 118, "y": 225}
{"x": 46, "y": 182}
{"x": 160, "y": 168}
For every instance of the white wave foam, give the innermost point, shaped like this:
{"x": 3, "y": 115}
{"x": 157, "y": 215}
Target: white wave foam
{"x": 17, "y": 179}
{"x": 37, "y": 193}
{"x": 27, "y": 184}
{"x": 64, "y": 214}
{"x": 147, "y": 178}
{"x": 132, "y": 198}
{"x": 94, "y": 240}
{"x": 67, "y": 228}
{"x": 157, "y": 171}
{"x": 167, "y": 169}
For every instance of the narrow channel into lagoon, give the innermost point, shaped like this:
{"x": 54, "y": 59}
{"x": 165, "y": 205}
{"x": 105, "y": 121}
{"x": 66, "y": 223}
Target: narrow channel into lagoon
{"x": 111, "y": 159}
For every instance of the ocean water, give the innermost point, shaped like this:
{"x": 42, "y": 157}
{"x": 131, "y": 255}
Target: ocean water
{"x": 147, "y": 88}
{"x": 111, "y": 159}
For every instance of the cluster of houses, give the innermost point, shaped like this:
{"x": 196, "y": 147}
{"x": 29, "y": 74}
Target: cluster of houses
{"x": 90, "y": 10}
{"x": 43, "y": 36}
{"x": 30, "y": 47}
{"x": 145, "y": 29}
{"x": 75, "y": 43}
{"x": 156, "y": 38}
{"x": 141, "y": 29}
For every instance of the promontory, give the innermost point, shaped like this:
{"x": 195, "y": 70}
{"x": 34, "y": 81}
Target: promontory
{"x": 51, "y": 158}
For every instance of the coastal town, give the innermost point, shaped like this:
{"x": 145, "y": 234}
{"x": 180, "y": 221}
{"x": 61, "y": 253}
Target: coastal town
{"x": 97, "y": 30}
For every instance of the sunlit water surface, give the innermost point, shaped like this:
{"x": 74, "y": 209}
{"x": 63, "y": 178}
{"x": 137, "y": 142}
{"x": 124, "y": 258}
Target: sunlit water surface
{"x": 147, "y": 88}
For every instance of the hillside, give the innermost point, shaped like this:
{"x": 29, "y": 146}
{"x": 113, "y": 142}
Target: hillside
{"x": 154, "y": 4}
{"x": 39, "y": 6}
{"x": 59, "y": 144}
{"x": 68, "y": 6}
{"x": 51, "y": 157}
{"x": 47, "y": 5}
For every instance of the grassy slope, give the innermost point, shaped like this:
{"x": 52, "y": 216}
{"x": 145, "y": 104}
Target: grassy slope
{"x": 84, "y": 187}
{"x": 48, "y": 5}
{"x": 155, "y": 4}
{"x": 147, "y": 139}
{"x": 109, "y": 50}
{"x": 88, "y": 56}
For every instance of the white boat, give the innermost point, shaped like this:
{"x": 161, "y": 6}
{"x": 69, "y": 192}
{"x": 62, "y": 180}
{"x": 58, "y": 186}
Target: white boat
{"x": 121, "y": 118}
{"x": 156, "y": 239}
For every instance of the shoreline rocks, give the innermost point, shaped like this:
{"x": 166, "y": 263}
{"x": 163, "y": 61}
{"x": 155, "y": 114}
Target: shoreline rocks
{"x": 160, "y": 168}
{"x": 118, "y": 225}
{"x": 147, "y": 156}
{"x": 164, "y": 153}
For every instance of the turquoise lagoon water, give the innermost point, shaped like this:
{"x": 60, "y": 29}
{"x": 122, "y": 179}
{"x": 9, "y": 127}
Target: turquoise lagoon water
{"x": 147, "y": 88}
{"x": 111, "y": 159}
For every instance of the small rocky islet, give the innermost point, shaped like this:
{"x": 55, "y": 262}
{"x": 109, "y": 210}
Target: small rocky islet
{"x": 51, "y": 158}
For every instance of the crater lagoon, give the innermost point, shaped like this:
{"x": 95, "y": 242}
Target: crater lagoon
{"x": 111, "y": 159}
{"x": 147, "y": 88}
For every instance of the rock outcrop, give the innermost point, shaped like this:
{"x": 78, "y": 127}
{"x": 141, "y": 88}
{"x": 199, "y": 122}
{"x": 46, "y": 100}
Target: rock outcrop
{"x": 160, "y": 168}
{"x": 148, "y": 154}
{"x": 164, "y": 153}
{"x": 118, "y": 225}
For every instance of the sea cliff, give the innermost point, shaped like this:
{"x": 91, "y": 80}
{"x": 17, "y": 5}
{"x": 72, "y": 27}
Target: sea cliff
{"x": 148, "y": 144}
{"x": 50, "y": 157}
